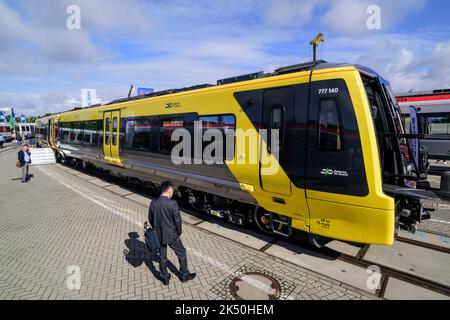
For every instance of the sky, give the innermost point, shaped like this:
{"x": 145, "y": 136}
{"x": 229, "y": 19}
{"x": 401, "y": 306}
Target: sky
{"x": 165, "y": 44}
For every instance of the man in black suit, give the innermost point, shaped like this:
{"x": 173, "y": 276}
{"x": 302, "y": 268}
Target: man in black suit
{"x": 165, "y": 218}
{"x": 24, "y": 158}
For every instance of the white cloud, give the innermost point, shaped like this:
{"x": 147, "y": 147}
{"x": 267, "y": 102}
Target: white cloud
{"x": 439, "y": 61}
{"x": 96, "y": 16}
{"x": 350, "y": 16}
{"x": 32, "y": 49}
{"x": 346, "y": 16}
{"x": 408, "y": 68}
{"x": 175, "y": 43}
{"x": 32, "y": 104}
{"x": 289, "y": 13}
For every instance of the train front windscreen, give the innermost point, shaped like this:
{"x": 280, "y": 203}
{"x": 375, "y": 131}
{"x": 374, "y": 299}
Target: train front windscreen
{"x": 395, "y": 155}
{"x": 400, "y": 173}
{"x": 409, "y": 162}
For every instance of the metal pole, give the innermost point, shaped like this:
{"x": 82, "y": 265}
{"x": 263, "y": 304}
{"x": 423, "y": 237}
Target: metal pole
{"x": 315, "y": 43}
{"x": 129, "y": 92}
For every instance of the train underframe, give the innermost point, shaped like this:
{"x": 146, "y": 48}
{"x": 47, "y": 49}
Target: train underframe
{"x": 410, "y": 210}
{"x": 233, "y": 211}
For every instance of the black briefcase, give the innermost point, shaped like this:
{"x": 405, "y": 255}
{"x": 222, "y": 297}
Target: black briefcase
{"x": 151, "y": 239}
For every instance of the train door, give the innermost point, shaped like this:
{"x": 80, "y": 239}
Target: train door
{"x": 336, "y": 179}
{"x": 49, "y": 132}
{"x": 56, "y": 132}
{"x": 276, "y": 115}
{"x": 111, "y": 134}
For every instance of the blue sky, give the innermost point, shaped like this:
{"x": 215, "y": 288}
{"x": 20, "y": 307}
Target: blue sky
{"x": 174, "y": 43}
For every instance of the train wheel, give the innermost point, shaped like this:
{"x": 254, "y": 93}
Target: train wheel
{"x": 262, "y": 220}
{"x": 196, "y": 200}
{"x": 318, "y": 241}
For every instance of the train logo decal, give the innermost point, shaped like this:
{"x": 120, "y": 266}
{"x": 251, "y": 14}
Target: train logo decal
{"x": 327, "y": 172}
{"x": 331, "y": 172}
{"x": 172, "y": 105}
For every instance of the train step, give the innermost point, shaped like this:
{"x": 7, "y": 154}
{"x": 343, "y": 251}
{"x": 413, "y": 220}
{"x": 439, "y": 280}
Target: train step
{"x": 41, "y": 156}
{"x": 281, "y": 227}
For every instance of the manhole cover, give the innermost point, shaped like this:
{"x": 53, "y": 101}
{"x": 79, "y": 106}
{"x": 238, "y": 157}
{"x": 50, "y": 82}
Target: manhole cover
{"x": 255, "y": 286}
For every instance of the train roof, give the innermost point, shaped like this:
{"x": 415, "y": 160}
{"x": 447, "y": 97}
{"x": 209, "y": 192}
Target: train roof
{"x": 307, "y": 66}
{"x": 423, "y": 93}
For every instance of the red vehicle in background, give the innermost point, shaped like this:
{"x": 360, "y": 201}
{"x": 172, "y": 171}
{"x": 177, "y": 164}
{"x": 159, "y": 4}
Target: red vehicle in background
{"x": 433, "y": 110}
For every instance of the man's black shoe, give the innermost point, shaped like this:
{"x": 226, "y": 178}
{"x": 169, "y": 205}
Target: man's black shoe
{"x": 188, "y": 277}
{"x": 165, "y": 281}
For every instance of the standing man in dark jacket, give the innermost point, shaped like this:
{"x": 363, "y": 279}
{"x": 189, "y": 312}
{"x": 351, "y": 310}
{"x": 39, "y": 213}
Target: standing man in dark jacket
{"x": 24, "y": 157}
{"x": 165, "y": 218}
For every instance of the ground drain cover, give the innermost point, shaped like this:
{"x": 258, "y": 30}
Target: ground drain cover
{"x": 255, "y": 286}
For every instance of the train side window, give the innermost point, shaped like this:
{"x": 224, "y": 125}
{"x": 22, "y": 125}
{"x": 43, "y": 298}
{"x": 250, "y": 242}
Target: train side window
{"x": 276, "y": 122}
{"x": 227, "y": 125}
{"x": 100, "y": 132}
{"x": 90, "y": 133}
{"x": 438, "y": 125}
{"x": 65, "y": 131}
{"x": 167, "y": 128}
{"x": 138, "y": 134}
{"x": 107, "y": 126}
{"x": 77, "y": 133}
{"x": 114, "y": 132}
{"x": 329, "y": 126}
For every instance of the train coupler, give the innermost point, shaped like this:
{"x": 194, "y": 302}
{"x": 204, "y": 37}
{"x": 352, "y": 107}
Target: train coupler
{"x": 411, "y": 218}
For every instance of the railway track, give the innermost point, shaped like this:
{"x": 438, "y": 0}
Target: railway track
{"x": 358, "y": 260}
{"x": 388, "y": 272}
{"x": 424, "y": 245}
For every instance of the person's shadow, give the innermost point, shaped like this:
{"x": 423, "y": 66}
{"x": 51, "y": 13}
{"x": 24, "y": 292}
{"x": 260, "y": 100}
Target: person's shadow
{"x": 137, "y": 253}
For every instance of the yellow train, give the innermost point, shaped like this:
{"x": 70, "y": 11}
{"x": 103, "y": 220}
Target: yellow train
{"x": 342, "y": 161}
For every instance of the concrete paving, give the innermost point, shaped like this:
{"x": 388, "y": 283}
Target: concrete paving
{"x": 343, "y": 247}
{"x": 140, "y": 199}
{"x": 118, "y": 190}
{"x": 426, "y": 263}
{"x": 100, "y": 182}
{"x": 338, "y": 279}
{"x": 191, "y": 219}
{"x": 246, "y": 237}
{"x": 84, "y": 176}
{"x": 59, "y": 223}
{"x": 9, "y": 146}
{"x": 428, "y": 238}
{"x": 333, "y": 268}
{"x": 440, "y": 219}
{"x": 400, "y": 290}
